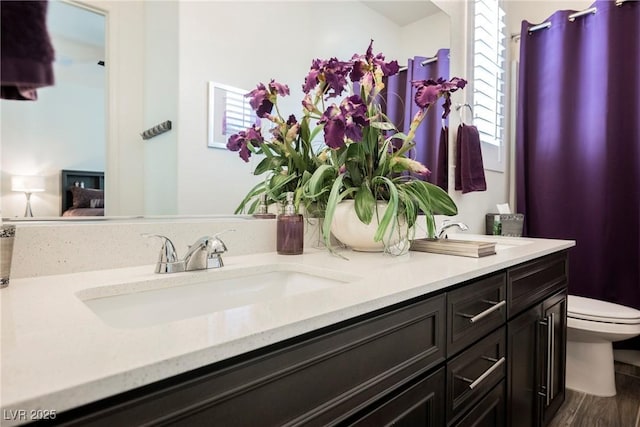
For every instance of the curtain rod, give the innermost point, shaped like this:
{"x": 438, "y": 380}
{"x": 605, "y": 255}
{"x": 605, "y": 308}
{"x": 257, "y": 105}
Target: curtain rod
{"x": 539, "y": 27}
{"x": 572, "y": 18}
{"x": 423, "y": 63}
{"x": 591, "y": 10}
{"x": 429, "y": 61}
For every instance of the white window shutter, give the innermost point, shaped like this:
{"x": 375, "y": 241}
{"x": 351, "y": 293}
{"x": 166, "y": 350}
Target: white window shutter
{"x": 489, "y": 50}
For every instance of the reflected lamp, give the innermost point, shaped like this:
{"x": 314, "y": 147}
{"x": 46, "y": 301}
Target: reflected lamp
{"x": 27, "y": 185}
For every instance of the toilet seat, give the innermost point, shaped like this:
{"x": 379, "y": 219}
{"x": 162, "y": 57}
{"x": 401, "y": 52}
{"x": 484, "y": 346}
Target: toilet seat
{"x": 582, "y": 308}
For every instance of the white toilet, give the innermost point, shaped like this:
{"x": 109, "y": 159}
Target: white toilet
{"x": 592, "y": 326}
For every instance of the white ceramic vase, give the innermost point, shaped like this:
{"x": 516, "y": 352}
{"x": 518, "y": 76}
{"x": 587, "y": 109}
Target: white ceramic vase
{"x": 347, "y": 227}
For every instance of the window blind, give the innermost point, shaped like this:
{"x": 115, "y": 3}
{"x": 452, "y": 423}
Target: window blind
{"x": 489, "y": 50}
{"x": 238, "y": 115}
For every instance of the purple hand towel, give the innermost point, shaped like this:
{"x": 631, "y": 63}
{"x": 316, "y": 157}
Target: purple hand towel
{"x": 442, "y": 175}
{"x": 27, "y": 53}
{"x": 469, "y": 167}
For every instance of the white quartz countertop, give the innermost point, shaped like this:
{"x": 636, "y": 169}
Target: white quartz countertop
{"x": 58, "y": 354}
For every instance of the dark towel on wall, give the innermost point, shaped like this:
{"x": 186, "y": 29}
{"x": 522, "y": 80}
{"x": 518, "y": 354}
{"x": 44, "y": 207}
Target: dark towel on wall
{"x": 26, "y": 50}
{"x": 442, "y": 176}
{"x": 469, "y": 167}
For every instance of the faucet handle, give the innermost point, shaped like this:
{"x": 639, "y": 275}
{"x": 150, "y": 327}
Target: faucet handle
{"x": 216, "y": 248}
{"x": 168, "y": 261}
{"x": 217, "y": 245}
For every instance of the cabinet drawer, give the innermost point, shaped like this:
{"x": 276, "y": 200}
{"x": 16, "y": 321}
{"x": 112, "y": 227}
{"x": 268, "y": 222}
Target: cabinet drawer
{"x": 489, "y": 412}
{"x": 531, "y": 282}
{"x": 421, "y": 404}
{"x": 317, "y": 379}
{"x": 475, "y": 310}
{"x": 474, "y": 372}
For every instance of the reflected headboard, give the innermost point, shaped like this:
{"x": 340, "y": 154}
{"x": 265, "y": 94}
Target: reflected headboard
{"x": 68, "y": 179}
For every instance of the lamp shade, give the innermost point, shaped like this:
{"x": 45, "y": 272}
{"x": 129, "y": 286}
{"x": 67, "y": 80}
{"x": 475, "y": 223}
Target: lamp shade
{"x": 27, "y": 184}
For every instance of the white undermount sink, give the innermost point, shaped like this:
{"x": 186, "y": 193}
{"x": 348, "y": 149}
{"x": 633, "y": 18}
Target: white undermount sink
{"x": 192, "y": 294}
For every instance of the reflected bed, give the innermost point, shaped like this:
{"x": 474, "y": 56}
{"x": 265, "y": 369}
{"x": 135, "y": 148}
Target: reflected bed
{"x": 82, "y": 193}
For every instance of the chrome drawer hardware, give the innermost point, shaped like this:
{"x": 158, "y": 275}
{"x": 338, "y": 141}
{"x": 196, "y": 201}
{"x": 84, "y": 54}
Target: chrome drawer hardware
{"x": 474, "y": 318}
{"x": 547, "y": 390}
{"x": 475, "y": 383}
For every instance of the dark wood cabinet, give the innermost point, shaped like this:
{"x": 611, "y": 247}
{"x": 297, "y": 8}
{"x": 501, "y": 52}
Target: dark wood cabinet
{"x": 420, "y": 404}
{"x": 554, "y": 312}
{"x": 489, "y": 412}
{"x": 536, "y": 349}
{"x": 490, "y": 352}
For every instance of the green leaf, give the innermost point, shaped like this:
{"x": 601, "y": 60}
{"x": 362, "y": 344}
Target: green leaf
{"x": 304, "y": 130}
{"x": 320, "y": 181}
{"x": 390, "y": 216}
{"x": 315, "y": 132}
{"x": 269, "y": 164}
{"x": 255, "y": 191}
{"x": 277, "y": 185}
{"x": 335, "y": 197}
{"x": 431, "y": 199}
{"x": 382, "y": 125}
{"x": 364, "y": 204}
{"x": 441, "y": 203}
{"x": 265, "y": 148}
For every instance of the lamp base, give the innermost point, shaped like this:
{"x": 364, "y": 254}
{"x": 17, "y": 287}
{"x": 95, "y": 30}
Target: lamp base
{"x": 27, "y": 211}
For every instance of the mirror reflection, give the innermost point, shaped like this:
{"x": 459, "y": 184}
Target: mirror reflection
{"x": 159, "y": 59}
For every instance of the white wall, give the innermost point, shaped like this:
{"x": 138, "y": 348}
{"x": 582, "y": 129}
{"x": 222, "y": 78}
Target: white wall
{"x": 161, "y": 104}
{"x": 424, "y": 37}
{"x": 63, "y": 129}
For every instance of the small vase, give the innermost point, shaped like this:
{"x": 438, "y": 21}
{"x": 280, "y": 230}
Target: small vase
{"x": 347, "y": 227}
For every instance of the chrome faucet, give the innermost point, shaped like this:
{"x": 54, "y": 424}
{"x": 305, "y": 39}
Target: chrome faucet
{"x": 446, "y": 224}
{"x": 205, "y": 253}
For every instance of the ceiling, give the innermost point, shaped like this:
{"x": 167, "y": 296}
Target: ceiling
{"x": 404, "y": 12}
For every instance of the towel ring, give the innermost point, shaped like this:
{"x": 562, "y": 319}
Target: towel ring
{"x": 459, "y": 108}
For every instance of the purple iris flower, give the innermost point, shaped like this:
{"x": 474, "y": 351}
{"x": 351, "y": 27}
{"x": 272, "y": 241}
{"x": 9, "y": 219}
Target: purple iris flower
{"x": 367, "y": 62}
{"x": 278, "y": 88}
{"x": 332, "y": 72}
{"x": 262, "y": 98}
{"x": 428, "y": 91}
{"x": 346, "y": 120}
{"x": 312, "y": 78}
{"x": 239, "y": 141}
{"x": 259, "y": 100}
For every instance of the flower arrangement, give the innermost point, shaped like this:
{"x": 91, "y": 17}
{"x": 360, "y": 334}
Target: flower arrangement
{"x": 364, "y": 156}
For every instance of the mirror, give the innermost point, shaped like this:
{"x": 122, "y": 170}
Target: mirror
{"x": 160, "y": 58}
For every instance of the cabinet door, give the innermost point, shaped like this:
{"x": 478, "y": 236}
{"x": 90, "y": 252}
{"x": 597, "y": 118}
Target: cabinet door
{"x": 523, "y": 366}
{"x": 421, "y": 404}
{"x": 554, "y": 311}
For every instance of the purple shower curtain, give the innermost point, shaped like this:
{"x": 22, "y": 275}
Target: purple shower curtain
{"x": 401, "y": 108}
{"x": 578, "y": 145}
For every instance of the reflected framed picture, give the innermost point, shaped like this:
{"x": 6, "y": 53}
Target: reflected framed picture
{"x": 229, "y": 113}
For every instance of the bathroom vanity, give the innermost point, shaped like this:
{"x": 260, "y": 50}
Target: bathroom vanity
{"x": 423, "y": 339}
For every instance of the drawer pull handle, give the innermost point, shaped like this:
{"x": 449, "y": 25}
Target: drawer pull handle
{"x": 488, "y": 311}
{"x": 486, "y": 373}
{"x": 550, "y": 357}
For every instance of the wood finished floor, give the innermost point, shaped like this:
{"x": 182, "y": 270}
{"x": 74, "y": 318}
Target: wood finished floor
{"x": 622, "y": 410}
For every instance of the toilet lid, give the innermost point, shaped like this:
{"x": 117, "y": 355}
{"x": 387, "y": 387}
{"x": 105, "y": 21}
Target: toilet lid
{"x": 601, "y": 311}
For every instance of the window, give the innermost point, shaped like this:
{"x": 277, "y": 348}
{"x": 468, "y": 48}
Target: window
{"x": 229, "y": 113}
{"x": 489, "y": 51}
